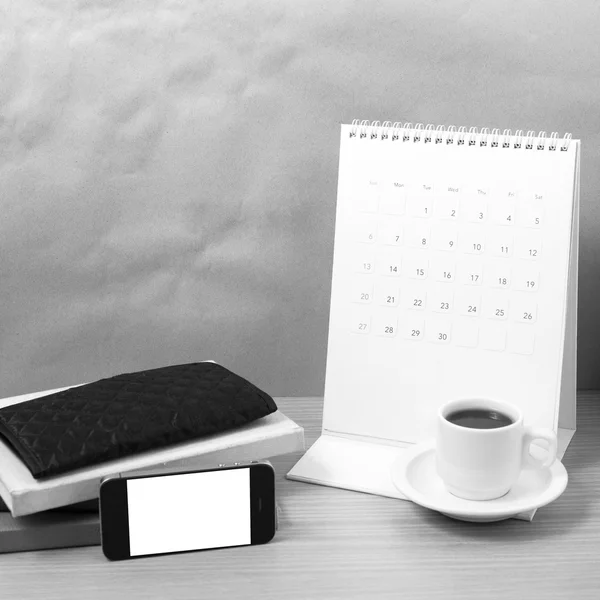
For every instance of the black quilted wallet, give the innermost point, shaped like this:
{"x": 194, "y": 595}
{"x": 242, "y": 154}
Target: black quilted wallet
{"x": 129, "y": 413}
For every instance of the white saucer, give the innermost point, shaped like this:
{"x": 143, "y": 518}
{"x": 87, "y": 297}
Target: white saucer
{"x": 414, "y": 474}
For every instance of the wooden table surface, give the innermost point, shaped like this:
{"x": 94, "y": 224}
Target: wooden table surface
{"x": 339, "y": 544}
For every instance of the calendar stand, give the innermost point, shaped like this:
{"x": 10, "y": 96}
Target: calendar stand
{"x": 356, "y": 450}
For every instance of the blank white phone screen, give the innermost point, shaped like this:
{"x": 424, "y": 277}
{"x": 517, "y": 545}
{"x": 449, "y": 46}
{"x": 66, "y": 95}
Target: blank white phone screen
{"x": 191, "y": 511}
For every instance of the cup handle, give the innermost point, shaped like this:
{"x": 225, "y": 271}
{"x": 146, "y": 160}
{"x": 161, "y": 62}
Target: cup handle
{"x": 537, "y": 433}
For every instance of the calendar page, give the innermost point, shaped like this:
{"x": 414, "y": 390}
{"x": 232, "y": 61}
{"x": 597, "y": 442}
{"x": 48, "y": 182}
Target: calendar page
{"x": 449, "y": 279}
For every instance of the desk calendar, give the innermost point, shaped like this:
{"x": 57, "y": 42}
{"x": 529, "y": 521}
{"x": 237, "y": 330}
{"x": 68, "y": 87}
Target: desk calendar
{"x": 454, "y": 276}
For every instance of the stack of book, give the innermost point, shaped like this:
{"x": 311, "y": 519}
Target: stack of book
{"x": 62, "y": 511}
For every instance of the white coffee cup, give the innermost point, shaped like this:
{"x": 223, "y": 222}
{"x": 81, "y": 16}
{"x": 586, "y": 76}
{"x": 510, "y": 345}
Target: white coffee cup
{"x": 483, "y": 464}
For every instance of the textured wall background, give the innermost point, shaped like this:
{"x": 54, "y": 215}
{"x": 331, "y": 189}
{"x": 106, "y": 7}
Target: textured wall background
{"x": 168, "y": 169}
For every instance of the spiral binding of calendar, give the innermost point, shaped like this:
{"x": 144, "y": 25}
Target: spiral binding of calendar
{"x": 407, "y": 132}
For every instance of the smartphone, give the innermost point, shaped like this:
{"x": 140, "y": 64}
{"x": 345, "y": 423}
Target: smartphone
{"x": 168, "y": 512}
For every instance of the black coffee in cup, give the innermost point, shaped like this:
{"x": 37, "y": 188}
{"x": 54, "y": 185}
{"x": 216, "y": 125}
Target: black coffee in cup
{"x": 479, "y": 418}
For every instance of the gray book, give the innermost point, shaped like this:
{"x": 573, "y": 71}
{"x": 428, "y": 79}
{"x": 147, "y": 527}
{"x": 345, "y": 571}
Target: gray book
{"x": 60, "y": 528}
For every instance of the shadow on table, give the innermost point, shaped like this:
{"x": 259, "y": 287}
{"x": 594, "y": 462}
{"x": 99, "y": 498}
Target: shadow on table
{"x": 562, "y": 521}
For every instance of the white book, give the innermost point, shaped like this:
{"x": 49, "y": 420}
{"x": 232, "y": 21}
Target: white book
{"x": 454, "y": 276}
{"x": 270, "y": 436}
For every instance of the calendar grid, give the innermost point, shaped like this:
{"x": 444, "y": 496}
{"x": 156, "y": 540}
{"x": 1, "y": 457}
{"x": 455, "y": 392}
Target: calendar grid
{"x": 406, "y": 241}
